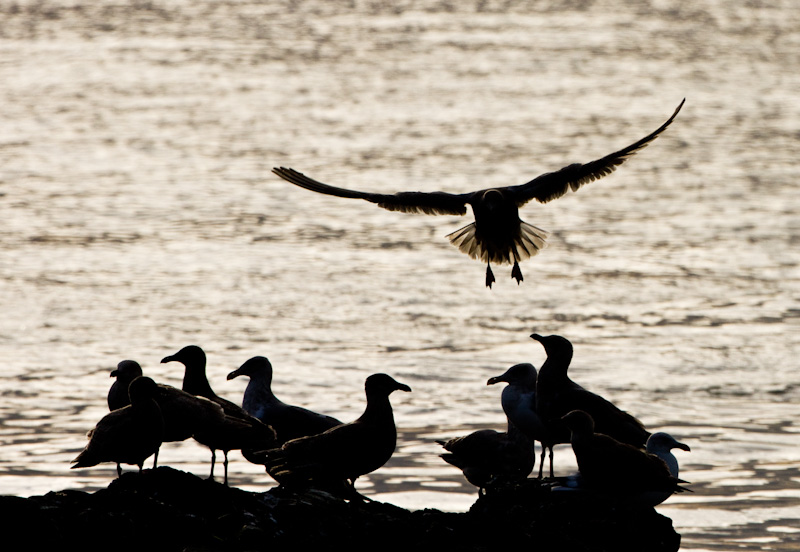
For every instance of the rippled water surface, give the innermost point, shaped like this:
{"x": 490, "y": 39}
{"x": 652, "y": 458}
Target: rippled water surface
{"x": 139, "y": 215}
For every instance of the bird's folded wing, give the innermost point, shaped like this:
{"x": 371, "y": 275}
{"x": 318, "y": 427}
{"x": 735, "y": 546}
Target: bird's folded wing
{"x": 553, "y": 185}
{"x": 429, "y": 203}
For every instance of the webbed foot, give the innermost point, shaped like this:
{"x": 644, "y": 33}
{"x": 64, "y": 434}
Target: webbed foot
{"x": 489, "y": 276}
{"x": 516, "y": 273}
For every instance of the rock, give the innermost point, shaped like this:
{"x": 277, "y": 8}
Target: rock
{"x": 166, "y": 509}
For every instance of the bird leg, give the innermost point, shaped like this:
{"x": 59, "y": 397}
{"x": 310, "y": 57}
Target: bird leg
{"x": 119, "y": 470}
{"x": 551, "y": 461}
{"x": 213, "y": 461}
{"x": 516, "y": 273}
{"x": 155, "y": 460}
{"x": 541, "y": 461}
{"x": 489, "y": 276}
{"x": 225, "y": 463}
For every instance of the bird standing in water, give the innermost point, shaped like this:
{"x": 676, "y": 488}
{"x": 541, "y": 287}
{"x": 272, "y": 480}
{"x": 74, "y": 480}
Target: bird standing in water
{"x": 498, "y": 235}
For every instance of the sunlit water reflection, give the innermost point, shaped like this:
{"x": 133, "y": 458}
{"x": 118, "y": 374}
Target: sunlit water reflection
{"x": 139, "y": 215}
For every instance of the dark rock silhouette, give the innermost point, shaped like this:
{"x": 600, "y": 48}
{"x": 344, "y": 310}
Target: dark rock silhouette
{"x": 169, "y": 510}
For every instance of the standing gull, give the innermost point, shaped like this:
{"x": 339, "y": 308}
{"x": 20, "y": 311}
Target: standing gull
{"x": 618, "y": 468}
{"x": 661, "y": 444}
{"x": 185, "y": 415}
{"x": 240, "y": 430}
{"x": 288, "y": 421}
{"x": 519, "y": 403}
{"x": 489, "y": 458}
{"x": 345, "y": 452}
{"x": 557, "y": 395}
{"x": 498, "y": 235}
{"x": 127, "y": 435}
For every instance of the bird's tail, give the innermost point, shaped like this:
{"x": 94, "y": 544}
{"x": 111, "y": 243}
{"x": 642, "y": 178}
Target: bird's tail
{"x": 530, "y": 241}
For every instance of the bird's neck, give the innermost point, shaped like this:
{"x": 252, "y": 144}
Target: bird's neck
{"x": 196, "y": 382}
{"x": 379, "y": 409}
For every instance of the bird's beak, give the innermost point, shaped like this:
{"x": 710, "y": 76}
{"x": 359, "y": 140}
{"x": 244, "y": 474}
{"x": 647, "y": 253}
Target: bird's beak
{"x": 536, "y": 336}
{"x": 166, "y": 359}
{"x": 496, "y": 379}
{"x": 235, "y": 374}
{"x": 114, "y": 373}
{"x": 682, "y": 446}
{"x": 403, "y": 387}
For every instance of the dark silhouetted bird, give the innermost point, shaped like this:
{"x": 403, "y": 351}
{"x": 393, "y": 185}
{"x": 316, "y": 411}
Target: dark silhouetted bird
{"x": 288, "y": 421}
{"x": 498, "y": 235}
{"x": 127, "y": 435}
{"x": 490, "y": 458}
{"x": 337, "y": 457}
{"x": 616, "y": 468}
{"x": 519, "y": 404}
{"x": 238, "y": 430}
{"x": 557, "y": 395}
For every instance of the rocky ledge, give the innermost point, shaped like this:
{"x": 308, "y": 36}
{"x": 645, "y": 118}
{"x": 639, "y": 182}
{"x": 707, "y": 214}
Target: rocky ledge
{"x": 166, "y": 509}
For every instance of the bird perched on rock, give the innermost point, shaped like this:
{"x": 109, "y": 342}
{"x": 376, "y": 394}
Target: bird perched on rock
{"x": 128, "y": 435}
{"x": 519, "y": 403}
{"x": 125, "y": 372}
{"x": 489, "y": 458}
{"x": 498, "y": 235}
{"x": 185, "y": 415}
{"x": 616, "y": 468}
{"x": 661, "y": 444}
{"x": 288, "y": 421}
{"x": 337, "y": 457}
{"x": 238, "y": 430}
{"x": 557, "y": 394}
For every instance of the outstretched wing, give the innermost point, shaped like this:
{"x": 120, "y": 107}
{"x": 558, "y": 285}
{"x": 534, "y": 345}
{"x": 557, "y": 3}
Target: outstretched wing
{"x": 550, "y": 186}
{"x": 429, "y": 203}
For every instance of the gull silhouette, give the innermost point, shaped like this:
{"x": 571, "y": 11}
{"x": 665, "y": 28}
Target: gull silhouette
{"x": 498, "y": 235}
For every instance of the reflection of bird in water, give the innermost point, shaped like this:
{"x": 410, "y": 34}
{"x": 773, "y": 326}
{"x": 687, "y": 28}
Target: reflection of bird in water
{"x": 497, "y": 235}
{"x": 617, "y": 468}
{"x": 489, "y": 458}
{"x": 288, "y": 421}
{"x": 238, "y": 430}
{"x": 127, "y": 435}
{"x": 557, "y": 395}
{"x": 519, "y": 404}
{"x": 343, "y": 453}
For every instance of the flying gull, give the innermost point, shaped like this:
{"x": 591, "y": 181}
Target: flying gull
{"x": 498, "y": 235}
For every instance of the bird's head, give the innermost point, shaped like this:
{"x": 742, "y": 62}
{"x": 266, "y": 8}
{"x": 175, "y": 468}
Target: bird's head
{"x": 522, "y": 374}
{"x": 189, "y": 356}
{"x": 127, "y": 370}
{"x": 554, "y": 345}
{"x": 257, "y": 366}
{"x": 142, "y": 388}
{"x": 383, "y": 384}
{"x": 661, "y": 441}
{"x": 578, "y": 421}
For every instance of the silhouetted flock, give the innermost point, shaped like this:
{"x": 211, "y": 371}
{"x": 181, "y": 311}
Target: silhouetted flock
{"x": 616, "y": 455}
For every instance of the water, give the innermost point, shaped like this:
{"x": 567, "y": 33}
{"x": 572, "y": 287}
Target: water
{"x": 140, "y": 215}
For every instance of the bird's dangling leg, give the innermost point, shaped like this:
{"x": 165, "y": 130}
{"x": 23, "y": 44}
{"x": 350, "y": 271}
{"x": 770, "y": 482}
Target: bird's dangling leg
{"x": 516, "y": 273}
{"x": 489, "y": 276}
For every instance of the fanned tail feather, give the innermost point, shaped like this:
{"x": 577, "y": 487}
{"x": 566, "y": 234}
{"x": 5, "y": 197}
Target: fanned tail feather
{"x": 529, "y": 242}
